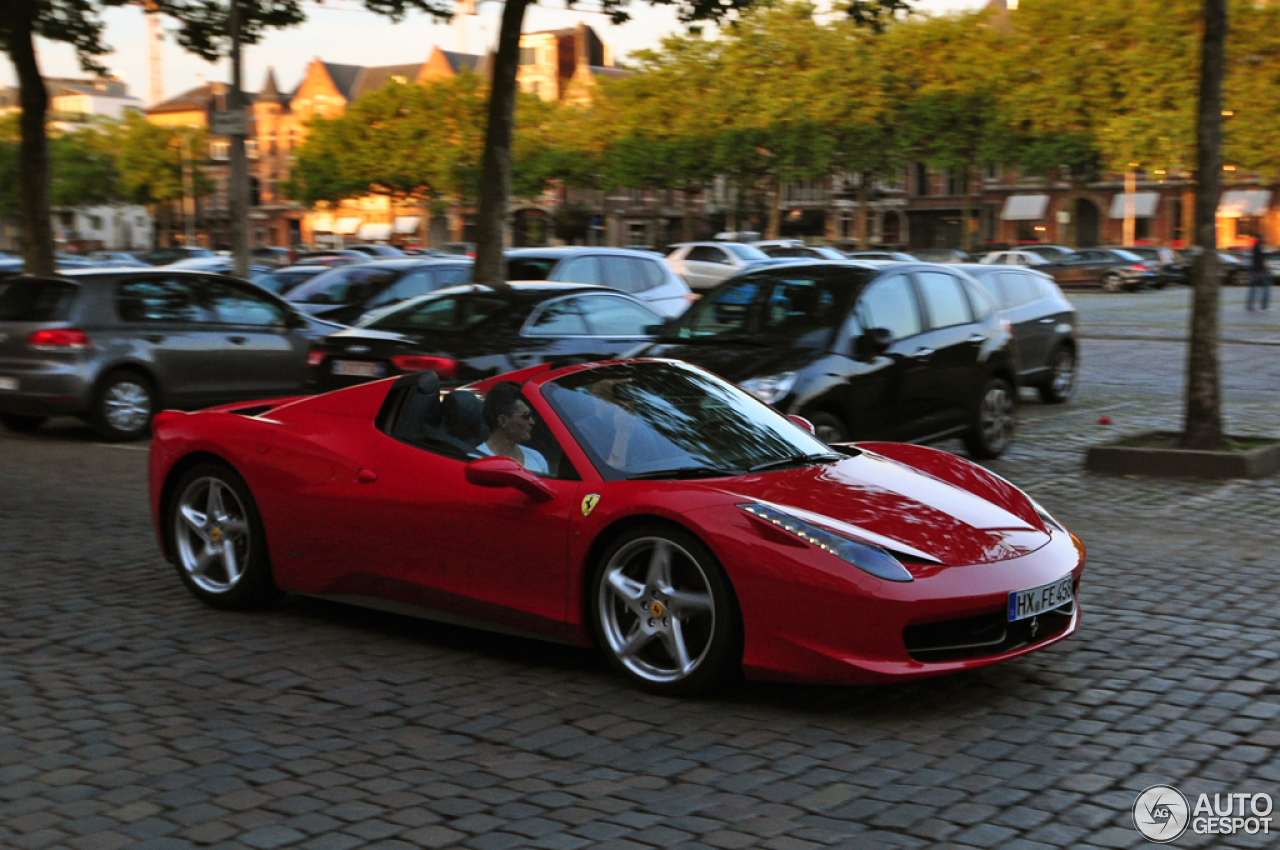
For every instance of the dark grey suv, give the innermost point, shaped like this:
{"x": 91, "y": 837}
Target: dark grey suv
{"x": 116, "y": 346}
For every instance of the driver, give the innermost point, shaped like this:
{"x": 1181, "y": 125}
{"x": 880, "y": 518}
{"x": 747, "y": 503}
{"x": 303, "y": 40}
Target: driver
{"x": 510, "y": 421}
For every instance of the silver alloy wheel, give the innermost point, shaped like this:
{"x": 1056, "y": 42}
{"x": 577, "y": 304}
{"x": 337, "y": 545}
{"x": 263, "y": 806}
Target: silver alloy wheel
{"x": 127, "y": 406}
{"x": 1064, "y": 375}
{"x": 211, "y": 530}
{"x": 656, "y": 609}
{"x": 997, "y": 418}
{"x": 1111, "y": 282}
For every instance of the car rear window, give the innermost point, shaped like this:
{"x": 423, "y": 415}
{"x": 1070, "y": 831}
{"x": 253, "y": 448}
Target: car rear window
{"x": 36, "y": 300}
{"x": 530, "y": 268}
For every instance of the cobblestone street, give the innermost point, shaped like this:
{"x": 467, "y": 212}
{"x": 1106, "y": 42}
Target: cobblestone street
{"x": 133, "y": 717}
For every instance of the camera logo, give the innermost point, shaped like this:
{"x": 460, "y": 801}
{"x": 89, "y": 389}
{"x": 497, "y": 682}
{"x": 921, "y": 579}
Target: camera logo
{"x": 1161, "y": 813}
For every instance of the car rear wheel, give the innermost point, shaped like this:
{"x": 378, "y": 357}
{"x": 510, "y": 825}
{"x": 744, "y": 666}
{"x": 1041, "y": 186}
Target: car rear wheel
{"x": 1238, "y": 278}
{"x": 1062, "y": 379}
{"x": 827, "y": 427}
{"x": 663, "y": 612}
{"x": 21, "y": 424}
{"x": 216, "y": 539}
{"x": 994, "y": 420}
{"x": 124, "y": 407}
{"x": 1111, "y": 282}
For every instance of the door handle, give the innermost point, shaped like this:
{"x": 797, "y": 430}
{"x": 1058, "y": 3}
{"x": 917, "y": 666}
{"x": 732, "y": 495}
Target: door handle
{"x": 1048, "y": 321}
{"x": 366, "y": 476}
{"x": 237, "y": 340}
{"x": 157, "y": 338}
{"x": 922, "y": 353}
{"x": 977, "y": 338}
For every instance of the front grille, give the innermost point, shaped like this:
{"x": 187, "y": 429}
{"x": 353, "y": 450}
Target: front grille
{"x": 982, "y": 636}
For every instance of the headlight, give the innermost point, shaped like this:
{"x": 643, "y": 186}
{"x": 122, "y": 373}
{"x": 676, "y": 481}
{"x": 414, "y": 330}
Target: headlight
{"x": 870, "y": 559}
{"x": 771, "y": 388}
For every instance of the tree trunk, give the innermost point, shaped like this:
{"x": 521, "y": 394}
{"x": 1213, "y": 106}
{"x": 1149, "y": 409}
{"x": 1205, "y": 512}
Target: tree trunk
{"x": 864, "y": 195}
{"x": 495, "y": 180}
{"x": 966, "y": 234}
{"x": 774, "y": 229}
{"x": 33, "y": 153}
{"x": 1202, "y": 428}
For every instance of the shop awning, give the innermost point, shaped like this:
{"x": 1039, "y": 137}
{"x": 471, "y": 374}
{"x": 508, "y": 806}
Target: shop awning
{"x": 322, "y": 224}
{"x": 1024, "y": 207}
{"x": 374, "y": 232}
{"x": 407, "y": 223}
{"x": 347, "y": 226}
{"x": 1144, "y": 204}
{"x": 1244, "y": 203}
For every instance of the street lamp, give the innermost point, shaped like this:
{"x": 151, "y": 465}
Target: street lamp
{"x": 1130, "y": 202}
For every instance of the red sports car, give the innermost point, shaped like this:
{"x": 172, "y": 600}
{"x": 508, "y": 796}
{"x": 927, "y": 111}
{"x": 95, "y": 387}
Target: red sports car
{"x": 644, "y": 506}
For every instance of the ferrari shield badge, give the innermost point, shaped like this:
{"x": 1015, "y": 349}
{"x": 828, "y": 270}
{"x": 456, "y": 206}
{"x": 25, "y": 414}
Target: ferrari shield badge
{"x": 589, "y": 503}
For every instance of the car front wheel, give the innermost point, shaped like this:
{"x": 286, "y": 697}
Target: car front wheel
{"x": 1111, "y": 282}
{"x": 994, "y": 420}
{"x": 664, "y": 614}
{"x": 124, "y": 407}
{"x": 1062, "y": 379}
{"x": 827, "y": 427}
{"x": 216, "y": 539}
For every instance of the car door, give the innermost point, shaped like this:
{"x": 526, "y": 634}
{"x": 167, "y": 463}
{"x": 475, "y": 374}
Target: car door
{"x": 890, "y": 401}
{"x": 950, "y": 349}
{"x": 706, "y": 266}
{"x": 615, "y": 324}
{"x": 161, "y": 315}
{"x": 1032, "y": 328}
{"x": 262, "y": 352}
{"x": 555, "y": 329}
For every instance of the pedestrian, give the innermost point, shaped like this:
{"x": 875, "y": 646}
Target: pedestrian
{"x": 1259, "y": 279}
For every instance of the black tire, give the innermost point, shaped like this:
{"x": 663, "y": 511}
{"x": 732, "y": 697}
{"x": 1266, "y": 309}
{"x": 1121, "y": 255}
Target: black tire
{"x": 1061, "y": 385}
{"x": 641, "y": 615}
{"x": 1111, "y": 282}
{"x": 19, "y": 424}
{"x": 828, "y": 427}
{"x": 123, "y": 407}
{"x": 1238, "y": 278}
{"x": 219, "y": 548}
{"x": 994, "y": 420}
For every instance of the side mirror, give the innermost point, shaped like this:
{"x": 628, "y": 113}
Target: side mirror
{"x": 803, "y": 423}
{"x": 499, "y": 471}
{"x": 873, "y": 341}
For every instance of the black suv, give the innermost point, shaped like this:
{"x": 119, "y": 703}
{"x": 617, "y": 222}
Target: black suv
{"x": 902, "y": 351}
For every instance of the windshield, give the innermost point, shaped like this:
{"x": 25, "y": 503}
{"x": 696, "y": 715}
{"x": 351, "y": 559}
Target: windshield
{"x": 344, "y": 285}
{"x": 282, "y": 282}
{"x": 450, "y": 312}
{"x": 530, "y": 268}
{"x": 659, "y": 420}
{"x": 794, "y": 307}
{"x": 745, "y": 252}
{"x": 1126, "y": 255}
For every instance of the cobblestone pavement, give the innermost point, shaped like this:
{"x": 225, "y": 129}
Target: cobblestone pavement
{"x": 133, "y": 717}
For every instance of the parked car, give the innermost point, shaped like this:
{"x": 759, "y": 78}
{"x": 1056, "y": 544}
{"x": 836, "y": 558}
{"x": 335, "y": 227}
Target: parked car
{"x": 703, "y": 265}
{"x": 941, "y": 255}
{"x": 119, "y": 259}
{"x": 346, "y": 293}
{"x": 882, "y": 256}
{"x": 890, "y": 351}
{"x": 1235, "y": 270}
{"x": 460, "y": 249}
{"x": 1013, "y": 258}
{"x": 1052, "y": 253}
{"x": 268, "y": 255}
{"x": 801, "y": 251}
{"x": 172, "y": 254}
{"x": 283, "y": 280}
{"x": 1044, "y": 327}
{"x": 377, "y": 252}
{"x": 331, "y": 258}
{"x": 1111, "y": 268}
{"x": 114, "y": 346}
{"x": 1167, "y": 263}
{"x": 722, "y": 540}
{"x": 638, "y": 273}
{"x": 217, "y": 265}
{"x": 470, "y": 332}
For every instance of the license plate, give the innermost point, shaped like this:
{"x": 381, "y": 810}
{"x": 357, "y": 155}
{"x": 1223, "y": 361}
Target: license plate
{"x": 8, "y": 384}
{"x": 1037, "y": 600}
{"x": 358, "y": 369}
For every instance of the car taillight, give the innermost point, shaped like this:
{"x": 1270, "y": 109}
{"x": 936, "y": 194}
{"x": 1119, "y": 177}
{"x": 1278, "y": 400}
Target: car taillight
{"x": 58, "y": 339}
{"x": 691, "y": 297}
{"x": 445, "y": 367}
{"x": 315, "y": 358}
{"x": 1138, "y": 267}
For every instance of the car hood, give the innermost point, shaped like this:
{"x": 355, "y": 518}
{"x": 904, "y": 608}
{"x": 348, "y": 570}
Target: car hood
{"x": 736, "y": 362}
{"x": 953, "y": 514}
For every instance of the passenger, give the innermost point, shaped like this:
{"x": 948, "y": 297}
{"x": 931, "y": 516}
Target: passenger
{"x": 510, "y": 422}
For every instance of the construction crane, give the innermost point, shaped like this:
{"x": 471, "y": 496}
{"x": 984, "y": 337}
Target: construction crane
{"x": 154, "y": 36}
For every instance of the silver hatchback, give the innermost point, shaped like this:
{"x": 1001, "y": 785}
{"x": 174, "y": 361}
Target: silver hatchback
{"x": 114, "y": 346}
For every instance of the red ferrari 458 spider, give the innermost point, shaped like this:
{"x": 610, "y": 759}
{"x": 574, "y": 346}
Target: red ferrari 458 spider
{"x": 645, "y": 506}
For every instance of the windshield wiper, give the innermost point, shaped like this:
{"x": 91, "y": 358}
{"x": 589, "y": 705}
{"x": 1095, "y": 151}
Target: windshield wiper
{"x": 795, "y": 460}
{"x": 684, "y": 472}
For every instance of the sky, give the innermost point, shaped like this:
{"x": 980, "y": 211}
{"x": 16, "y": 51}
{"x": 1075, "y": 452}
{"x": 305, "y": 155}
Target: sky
{"x": 342, "y": 31}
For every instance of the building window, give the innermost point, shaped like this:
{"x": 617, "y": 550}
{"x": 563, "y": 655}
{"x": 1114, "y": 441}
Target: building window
{"x": 220, "y": 151}
{"x": 251, "y": 148}
{"x": 922, "y": 180}
{"x": 528, "y": 56}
